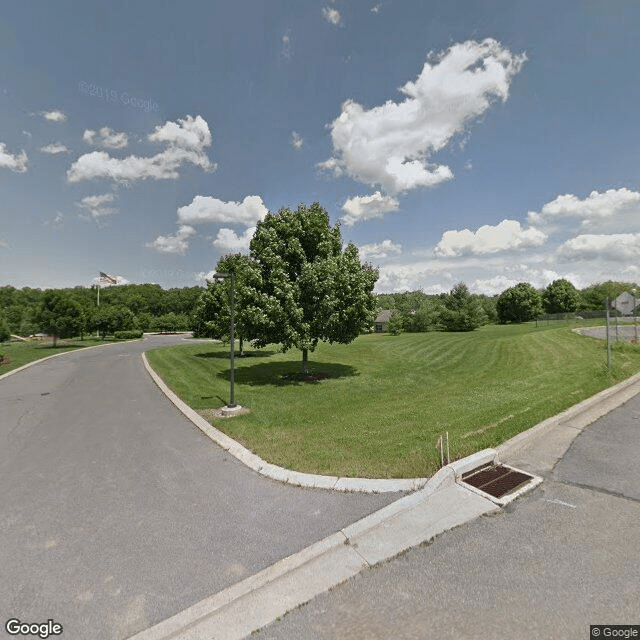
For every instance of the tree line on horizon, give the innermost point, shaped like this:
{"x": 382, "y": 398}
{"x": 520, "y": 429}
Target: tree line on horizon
{"x": 297, "y": 287}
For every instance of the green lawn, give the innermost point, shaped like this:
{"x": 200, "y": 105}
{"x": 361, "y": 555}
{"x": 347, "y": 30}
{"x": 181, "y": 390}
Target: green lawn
{"x": 21, "y": 353}
{"x": 388, "y": 398}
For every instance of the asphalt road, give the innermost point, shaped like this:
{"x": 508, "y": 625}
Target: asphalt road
{"x": 563, "y": 557}
{"x": 116, "y": 512}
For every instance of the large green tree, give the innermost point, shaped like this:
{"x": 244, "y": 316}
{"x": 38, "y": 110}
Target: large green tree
{"x": 311, "y": 289}
{"x": 461, "y": 311}
{"x": 60, "y": 315}
{"x": 560, "y": 297}
{"x": 519, "y": 304}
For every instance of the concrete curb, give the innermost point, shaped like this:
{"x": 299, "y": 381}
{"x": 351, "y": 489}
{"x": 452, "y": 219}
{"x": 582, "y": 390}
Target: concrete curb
{"x": 64, "y": 353}
{"x": 297, "y": 478}
{"x": 564, "y": 427}
{"x": 237, "y": 611}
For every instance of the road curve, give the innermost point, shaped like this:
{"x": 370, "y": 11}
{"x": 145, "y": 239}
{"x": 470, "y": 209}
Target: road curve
{"x": 116, "y": 512}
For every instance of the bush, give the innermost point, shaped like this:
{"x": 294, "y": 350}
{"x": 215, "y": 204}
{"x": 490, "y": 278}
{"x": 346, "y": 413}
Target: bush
{"x": 128, "y": 335}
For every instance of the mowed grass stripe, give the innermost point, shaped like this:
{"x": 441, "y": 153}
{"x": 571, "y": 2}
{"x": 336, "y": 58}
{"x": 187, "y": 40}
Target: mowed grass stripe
{"x": 390, "y": 397}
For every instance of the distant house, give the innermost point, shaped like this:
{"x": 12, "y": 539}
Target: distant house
{"x": 382, "y": 320}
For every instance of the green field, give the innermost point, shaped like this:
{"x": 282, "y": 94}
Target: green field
{"x": 16, "y": 354}
{"x": 388, "y": 398}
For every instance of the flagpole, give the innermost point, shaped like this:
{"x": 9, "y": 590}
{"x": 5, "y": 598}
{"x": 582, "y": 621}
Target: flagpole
{"x": 98, "y": 288}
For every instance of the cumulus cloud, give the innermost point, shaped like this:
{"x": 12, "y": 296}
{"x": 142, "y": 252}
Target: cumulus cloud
{"x": 228, "y": 241}
{"x": 616, "y": 247}
{"x": 95, "y": 205}
{"x": 612, "y": 210}
{"x": 14, "y": 162}
{"x": 390, "y": 145}
{"x": 54, "y": 116}
{"x": 332, "y": 16}
{"x": 4, "y": 243}
{"x": 54, "y": 148}
{"x": 105, "y": 137}
{"x": 208, "y": 209}
{"x": 368, "y": 207}
{"x": 379, "y": 250}
{"x": 287, "y": 46}
{"x": 296, "y": 140}
{"x": 506, "y": 235}
{"x": 190, "y": 133}
{"x": 186, "y": 140}
{"x": 178, "y": 243}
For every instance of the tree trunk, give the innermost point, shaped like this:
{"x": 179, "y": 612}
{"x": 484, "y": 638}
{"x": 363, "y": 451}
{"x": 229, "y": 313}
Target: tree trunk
{"x": 305, "y": 360}
{"x": 241, "y": 347}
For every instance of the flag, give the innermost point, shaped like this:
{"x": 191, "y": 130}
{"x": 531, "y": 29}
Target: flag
{"x": 107, "y": 280}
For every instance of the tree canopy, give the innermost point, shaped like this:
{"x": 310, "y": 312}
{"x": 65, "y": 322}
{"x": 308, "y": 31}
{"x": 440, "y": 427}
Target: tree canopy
{"x": 519, "y": 304}
{"x": 60, "y": 315}
{"x": 311, "y": 289}
{"x": 560, "y": 297}
{"x": 461, "y": 310}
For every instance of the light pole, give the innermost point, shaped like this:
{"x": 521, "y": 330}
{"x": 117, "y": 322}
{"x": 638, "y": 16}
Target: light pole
{"x": 223, "y": 276}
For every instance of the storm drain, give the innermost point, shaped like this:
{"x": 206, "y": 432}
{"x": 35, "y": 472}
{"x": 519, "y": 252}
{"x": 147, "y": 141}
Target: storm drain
{"x": 496, "y": 479}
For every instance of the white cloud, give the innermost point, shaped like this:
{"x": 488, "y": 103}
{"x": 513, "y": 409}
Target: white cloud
{"x": 54, "y": 116}
{"x": 186, "y": 143}
{"x": 4, "y": 243}
{"x": 106, "y": 138}
{"x": 296, "y": 140}
{"x": 228, "y": 241}
{"x": 616, "y": 247}
{"x": 376, "y": 8}
{"x": 15, "y": 162}
{"x": 608, "y": 211}
{"x": 287, "y": 47}
{"x": 208, "y": 209}
{"x": 493, "y": 286}
{"x": 54, "y": 148}
{"x": 390, "y": 145}
{"x": 379, "y": 250}
{"x": 332, "y": 16}
{"x": 57, "y": 219}
{"x": 95, "y": 205}
{"x": 27, "y": 133}
{"x": 173, "y": 244}
{"x": 368, "y": 207}
{"x": 190, "y": 133}
{"x": 506, "y": 235}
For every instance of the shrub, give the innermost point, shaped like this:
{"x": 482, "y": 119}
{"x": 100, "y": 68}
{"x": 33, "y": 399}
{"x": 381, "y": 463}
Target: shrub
{"x": 132, "y": 334}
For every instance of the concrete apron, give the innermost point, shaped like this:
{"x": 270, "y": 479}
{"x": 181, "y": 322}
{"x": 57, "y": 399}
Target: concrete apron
{"x": 443, "y": 503}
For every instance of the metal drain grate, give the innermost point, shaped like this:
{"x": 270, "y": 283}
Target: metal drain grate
{"x": 496, "y": 480}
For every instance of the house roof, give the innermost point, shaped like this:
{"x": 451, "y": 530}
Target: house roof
{"x": 384, "y": 316}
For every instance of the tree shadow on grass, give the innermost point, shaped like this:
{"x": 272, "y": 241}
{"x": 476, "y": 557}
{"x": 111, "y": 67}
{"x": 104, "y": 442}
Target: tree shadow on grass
{"x": 225, "y": 355}
{"x": 276, "y": 373}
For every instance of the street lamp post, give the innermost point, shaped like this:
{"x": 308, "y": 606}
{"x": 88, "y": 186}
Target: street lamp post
{"x": 222, "y": 276}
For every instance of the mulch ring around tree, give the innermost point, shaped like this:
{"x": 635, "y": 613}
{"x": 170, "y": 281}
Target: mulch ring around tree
{"x": 4, "y": 359}
{"x": 309, "y": 376}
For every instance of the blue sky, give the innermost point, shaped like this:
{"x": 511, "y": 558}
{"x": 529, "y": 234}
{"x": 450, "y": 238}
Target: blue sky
{"x": 484, "y": 142}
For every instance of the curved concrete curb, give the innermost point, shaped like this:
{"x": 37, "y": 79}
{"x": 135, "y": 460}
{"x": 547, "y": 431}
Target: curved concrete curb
{"x": 274, "y": 472}
{"x": 64, "y": 353}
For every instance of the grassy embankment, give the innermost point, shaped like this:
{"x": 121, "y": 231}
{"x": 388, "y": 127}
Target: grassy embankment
{"x": 388, "y": 398}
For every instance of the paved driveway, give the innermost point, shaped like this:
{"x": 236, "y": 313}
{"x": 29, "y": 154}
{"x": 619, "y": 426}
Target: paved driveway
{"x": 116, "y": 512}
{"x": 546, "y": 567}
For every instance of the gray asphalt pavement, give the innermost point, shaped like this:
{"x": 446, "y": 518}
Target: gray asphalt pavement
{"x": 116, "y": 512}
{"x": 547, "y": 566}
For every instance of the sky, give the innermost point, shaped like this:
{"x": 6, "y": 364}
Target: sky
{"x": 489, "y": 142}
